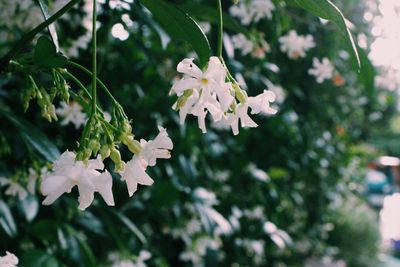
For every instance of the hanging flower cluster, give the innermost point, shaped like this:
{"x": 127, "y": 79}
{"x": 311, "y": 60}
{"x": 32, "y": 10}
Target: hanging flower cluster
{"x": 215, "y": 91}
{"x": 90, "y": 176}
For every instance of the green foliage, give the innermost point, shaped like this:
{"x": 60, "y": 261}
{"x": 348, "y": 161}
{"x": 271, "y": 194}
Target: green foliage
{"x": 327, "y": 10}
{"x": 356, "y": 233}
{"x": 180, "y": 26}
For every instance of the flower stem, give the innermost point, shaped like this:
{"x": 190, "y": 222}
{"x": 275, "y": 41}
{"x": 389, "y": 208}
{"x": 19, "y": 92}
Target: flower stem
{"x": 94, "y": 59}
{"x": 88, "y": 72}
{"x": 220, "y": 28}
{"x": 26, "y": 38}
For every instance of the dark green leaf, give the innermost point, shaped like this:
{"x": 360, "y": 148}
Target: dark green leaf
{"x": 29, "y": 207}
{"x": 45, "y": 54}
{"x": 327, "y": 10}
{"x": 367, "y": 72}
{"x": 7, "y": 220}
{"x": 33, "y": 136}
{"x": 37, "y": 258}
{"x": 180, "y": 25}
{"x": 210, "y": 14}
{"x": 51, "y": 27}
{"x": 131, "y": 226}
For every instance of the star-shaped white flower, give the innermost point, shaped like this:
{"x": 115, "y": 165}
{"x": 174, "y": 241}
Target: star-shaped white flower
{"x": 71, "y": 113}
{"x": 322, "y": 70}
{"x": 68, "y": 172}
{"x": 210, "y": 92}
{"x": 296, "y": 45}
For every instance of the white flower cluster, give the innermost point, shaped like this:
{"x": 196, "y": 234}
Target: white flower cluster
{"x": 90, "y": 176}
{"x": 322, "y": 70}
{"x": 9, "y": 260}
{"x": 252, "y": 11}
{"x": 202, "y": 92}
{"x": 296, "y": 45}
{"x": 246, "y": 46}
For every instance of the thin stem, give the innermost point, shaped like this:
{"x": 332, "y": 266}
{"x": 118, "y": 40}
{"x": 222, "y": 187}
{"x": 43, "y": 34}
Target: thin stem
{"x": 94, "y": 59}
{"x": 88, "y": 72}
{"x": 77, "y": 82}
{"x": 27, "y": 38}
{"x": 220, "y": 28}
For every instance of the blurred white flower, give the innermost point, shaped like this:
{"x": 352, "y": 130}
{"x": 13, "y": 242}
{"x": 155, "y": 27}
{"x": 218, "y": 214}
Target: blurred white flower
{"x": 243, "y": 44}
{"x": 71, "y": 113}
{"x": 14, "y": 188}
{"x": 296, "y": 45}
{"x": 8, "y": 260}
{"x": 68, "y": 172}
{"x": 252, "y": 11}
{"x": 322, "y": 70}
{"x": 205, "y": 26}
{"x": 135, "y": 170}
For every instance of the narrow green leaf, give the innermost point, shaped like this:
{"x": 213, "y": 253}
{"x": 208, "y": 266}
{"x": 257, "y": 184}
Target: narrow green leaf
{"x": 7, "y": 220}
{"x": 179, "y": 25}
{"x": 52, "y": 29}
{"x": 131, "y": 226}
{"x": 29, "y": 207}
{"x": 33, "y": 136}
{"x": 367, "y": 72}
{"x": 327, "y": 10}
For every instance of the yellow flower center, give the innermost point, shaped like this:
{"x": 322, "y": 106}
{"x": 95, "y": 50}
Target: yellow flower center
{"x": 204, "y": 81}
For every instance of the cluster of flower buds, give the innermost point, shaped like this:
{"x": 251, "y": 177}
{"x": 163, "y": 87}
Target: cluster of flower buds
{"x": 215, "y": 91}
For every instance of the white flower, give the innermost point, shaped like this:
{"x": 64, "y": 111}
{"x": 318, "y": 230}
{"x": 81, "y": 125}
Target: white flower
{"x": 252, "y": 11}
{"x": 9, "y": 260}
{"x": 32, "y": 178}
{"x": 261, "y": 9}
{"x": 243, "y": 44}
{"x": 278, "y": 91}
{"x": 322, "y": 70}
{"x": 209, "y": 91}
{"x": 144, "y": 255}
{"x": 71, "y": 113}
{"x": 134, "y": 172}
{"x": 261, "y": 103}
{"x": 296, "y": 45}
{"x": 68, "y": 172}
{"x": 14, "y": 188}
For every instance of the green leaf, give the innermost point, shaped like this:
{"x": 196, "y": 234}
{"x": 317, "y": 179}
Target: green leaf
{"x": 52, "y": 29}
{"x": 327, "y": 10}
{"x": 7, "y": 220}
{"x": 37, "y": 258}
{"x": 45, "y": 54}
{"x": 33, "y": 136}
{"x": 210, "y": 14}
{"x": 181, "y": 26}
{"x": 130, "y": 225}
{"x": 367, "y": 72}
{"x": 29, "y": 207}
